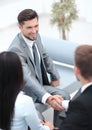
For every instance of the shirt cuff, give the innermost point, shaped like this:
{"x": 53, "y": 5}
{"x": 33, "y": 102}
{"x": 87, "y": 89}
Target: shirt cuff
{"x": 65, "y": 104}
{"x": 45, "y": 97}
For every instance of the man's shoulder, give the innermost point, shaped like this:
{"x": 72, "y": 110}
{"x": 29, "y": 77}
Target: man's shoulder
{"x": 38, "y": 37}
{"x": 15, "y": 44}
{"x": 17, "y": 38}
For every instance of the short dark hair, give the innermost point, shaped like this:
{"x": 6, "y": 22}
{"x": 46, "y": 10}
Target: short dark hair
{"x": 83, "y": 60}
{"x": 11, "y": 82}
{"x": 25, "y": 15}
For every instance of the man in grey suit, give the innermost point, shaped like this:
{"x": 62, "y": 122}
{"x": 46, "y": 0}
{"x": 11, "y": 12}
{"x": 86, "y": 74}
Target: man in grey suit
{"x": 43, "y": 91}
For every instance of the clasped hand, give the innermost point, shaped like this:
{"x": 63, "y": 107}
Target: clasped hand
{"x": 55, "y": 101}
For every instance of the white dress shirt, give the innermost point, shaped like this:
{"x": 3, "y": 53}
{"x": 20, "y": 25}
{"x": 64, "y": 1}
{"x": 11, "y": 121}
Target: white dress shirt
{"x": 30, "y": 44}
{"x": 65, "y": 103}
{"x": 26, "y": 114}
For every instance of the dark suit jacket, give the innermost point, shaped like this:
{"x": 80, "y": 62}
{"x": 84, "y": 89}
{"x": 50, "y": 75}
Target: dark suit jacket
{"x": 79, "y": 114}
{"x": 32, "y": 86}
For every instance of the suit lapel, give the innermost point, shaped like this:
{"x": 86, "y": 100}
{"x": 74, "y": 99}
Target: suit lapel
{"x": 26, "y": 49}
{"x": 28, "y": 54}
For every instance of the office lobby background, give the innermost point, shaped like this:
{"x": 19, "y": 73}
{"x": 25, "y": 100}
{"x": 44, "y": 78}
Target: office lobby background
{"x": 80, "y": 31}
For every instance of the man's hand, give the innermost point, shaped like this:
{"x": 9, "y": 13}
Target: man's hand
{"x": 55, "y": 101}
{"x": 55, "y": 83}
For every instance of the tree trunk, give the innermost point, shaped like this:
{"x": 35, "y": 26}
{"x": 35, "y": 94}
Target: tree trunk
{"x": 63, "y": 34}
{"x": 62, "y": 29}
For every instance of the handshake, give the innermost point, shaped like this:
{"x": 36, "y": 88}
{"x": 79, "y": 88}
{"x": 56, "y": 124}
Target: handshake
{"x": 57, "y": 102}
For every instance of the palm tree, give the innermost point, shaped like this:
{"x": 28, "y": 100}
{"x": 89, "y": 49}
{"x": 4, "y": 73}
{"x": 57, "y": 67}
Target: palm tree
{"x": 63, "y": 13}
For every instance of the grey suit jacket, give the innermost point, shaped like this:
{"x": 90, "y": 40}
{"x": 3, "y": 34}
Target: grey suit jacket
{"x": 32, "y": 86}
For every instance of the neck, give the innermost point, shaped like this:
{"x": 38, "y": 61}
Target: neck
{"x": 85, "y": 81}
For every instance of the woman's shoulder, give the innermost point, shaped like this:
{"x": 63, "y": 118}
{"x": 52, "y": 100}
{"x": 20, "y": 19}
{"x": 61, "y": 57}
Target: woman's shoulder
{"x": 22, "y": 98}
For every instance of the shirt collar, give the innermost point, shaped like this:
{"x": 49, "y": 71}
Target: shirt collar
{"x": 29, "y": 42}
{"x": 85, "y": 86}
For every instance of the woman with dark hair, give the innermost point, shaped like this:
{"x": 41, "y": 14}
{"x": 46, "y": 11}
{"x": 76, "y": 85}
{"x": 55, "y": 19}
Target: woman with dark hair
{"x": 17, "y": 111}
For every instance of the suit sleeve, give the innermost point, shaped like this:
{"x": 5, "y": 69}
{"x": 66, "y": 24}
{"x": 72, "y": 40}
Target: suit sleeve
{"x": 77, "y": 117}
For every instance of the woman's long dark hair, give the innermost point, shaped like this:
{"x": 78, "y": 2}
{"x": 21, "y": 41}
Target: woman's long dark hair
{"x": 11, "y": 82}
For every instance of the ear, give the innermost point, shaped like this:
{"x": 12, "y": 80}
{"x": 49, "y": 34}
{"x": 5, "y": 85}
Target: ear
{"x": 20, "y": 27}
{"x": 76, "y": 70}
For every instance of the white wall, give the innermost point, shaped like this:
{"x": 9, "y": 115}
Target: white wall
{"x": 89, "y": 10}
{"x": 83, "y": 6}
{"x": 85, "y": 9}
{"x": 9, "y": 10}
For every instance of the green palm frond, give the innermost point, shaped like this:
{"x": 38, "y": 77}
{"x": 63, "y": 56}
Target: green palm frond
{"x": 63, "y": 13}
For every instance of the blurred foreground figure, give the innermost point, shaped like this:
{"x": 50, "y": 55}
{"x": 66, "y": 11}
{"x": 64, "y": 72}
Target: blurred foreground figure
{"x": 79, "y": 113}
{"x": 17, "y": 111}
